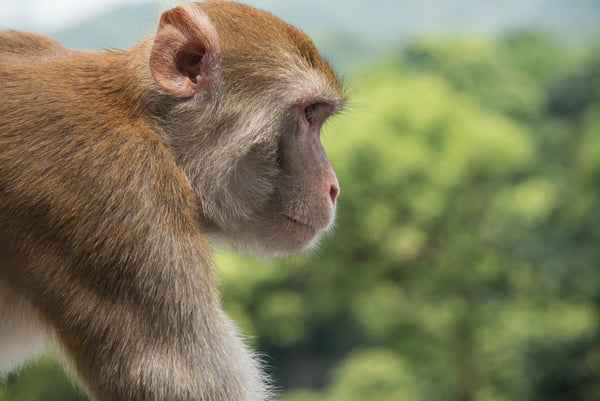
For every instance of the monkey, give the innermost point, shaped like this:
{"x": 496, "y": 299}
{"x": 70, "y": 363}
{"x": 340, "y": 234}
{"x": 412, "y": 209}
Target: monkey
{"x": 121, "y": 170}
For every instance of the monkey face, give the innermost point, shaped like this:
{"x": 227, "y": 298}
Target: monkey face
{"x": 252, "y": 98}
{"x": 308, "y": 187}
{"x": 282, "y": 194}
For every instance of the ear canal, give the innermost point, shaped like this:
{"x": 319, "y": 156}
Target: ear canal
{"x": 189, "y": 64}
{"x": 183, "y": 52}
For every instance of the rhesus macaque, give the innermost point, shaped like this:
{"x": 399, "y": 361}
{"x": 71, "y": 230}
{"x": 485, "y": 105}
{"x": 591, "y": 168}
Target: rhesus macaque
{"x": 119, "y": 169}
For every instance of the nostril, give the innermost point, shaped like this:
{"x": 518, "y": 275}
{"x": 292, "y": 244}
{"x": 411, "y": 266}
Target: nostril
{"x": 334, "y": 192}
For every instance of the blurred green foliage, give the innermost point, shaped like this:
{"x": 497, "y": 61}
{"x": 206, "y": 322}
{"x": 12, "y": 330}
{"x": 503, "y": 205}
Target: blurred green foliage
{"x": 42, "y": 381}
{"x": 465, "y": 264}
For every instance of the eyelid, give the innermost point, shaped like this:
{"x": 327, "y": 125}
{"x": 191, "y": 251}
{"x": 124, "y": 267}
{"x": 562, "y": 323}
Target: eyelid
{"x": 318, "y": 111}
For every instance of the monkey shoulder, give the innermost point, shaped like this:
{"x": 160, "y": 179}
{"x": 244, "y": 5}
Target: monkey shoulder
{"x": 26, "y": 44}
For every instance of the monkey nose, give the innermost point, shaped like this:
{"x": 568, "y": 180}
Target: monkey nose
{"x": 334, "y": 192}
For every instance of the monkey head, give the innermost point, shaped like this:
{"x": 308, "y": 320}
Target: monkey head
{"x": 242, "y": 98}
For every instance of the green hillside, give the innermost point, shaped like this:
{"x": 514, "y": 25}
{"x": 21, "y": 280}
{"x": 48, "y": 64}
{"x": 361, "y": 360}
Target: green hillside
{"x": 350, "y": 33}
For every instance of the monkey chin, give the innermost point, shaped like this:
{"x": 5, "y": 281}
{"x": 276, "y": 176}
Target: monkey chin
{"x": 285, "y": 236}
{"x": 297, "y": 236}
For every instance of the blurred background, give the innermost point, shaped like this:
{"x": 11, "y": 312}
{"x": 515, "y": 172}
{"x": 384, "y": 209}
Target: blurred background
{"x": 465, "y": 264}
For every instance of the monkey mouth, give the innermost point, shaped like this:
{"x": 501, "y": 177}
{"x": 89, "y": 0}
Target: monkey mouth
{"x": 300, "y": 223}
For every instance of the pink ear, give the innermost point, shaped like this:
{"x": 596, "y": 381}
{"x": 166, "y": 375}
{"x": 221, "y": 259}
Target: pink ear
{"x": 184, "y": 51}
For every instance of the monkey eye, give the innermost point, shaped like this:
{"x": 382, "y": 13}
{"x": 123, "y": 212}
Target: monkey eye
{"x": 316, "y": 112}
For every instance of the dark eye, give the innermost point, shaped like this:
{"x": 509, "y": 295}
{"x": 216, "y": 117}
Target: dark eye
{"x": 312, "y": 112}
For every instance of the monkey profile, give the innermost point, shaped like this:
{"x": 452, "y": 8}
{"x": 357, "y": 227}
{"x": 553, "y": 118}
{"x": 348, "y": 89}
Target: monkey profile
{"x": 120, "y": 169}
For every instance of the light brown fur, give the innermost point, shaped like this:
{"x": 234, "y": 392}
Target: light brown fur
{"x": 117, "y": 172}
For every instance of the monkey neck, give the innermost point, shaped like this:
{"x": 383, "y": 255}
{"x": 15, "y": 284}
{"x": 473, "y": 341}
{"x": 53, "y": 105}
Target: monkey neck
{"x": 126, "y": 81}
{"x": 114, "y": 83}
